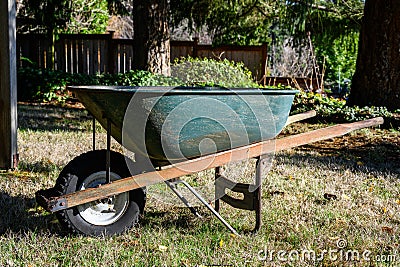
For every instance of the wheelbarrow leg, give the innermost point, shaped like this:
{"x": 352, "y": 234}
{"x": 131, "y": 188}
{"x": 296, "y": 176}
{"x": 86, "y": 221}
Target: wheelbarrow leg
{"x": 204, "y": 202}
{"x": 251, "y": 192}
{"x": 261, "y": 161}
{"x": 93, "y": 133}
{"x": 108, "y": 160}
{"x": 217, "y": 174}
{"x": 172, "y": 185}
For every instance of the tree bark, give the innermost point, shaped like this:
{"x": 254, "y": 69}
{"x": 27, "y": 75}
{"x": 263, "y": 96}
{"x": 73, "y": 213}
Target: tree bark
{"x": 151, "y": 36}
{"x": 376, "y": 81}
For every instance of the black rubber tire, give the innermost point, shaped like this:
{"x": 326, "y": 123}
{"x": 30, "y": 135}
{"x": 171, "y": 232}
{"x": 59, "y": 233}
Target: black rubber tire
{"x": 70, "y": 180}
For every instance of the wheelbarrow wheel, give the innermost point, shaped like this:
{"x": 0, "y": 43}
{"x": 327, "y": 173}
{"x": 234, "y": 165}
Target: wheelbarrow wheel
{"x": 109, "y": 216}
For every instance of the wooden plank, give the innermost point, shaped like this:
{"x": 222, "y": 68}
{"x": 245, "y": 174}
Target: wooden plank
{"x": 207, "y": 162}
{"x": 129, "y": 58}
{"x": 67, "y": 56}
{"x": 110, "y": 55}
{"x": 91, "y": 56}
{"x": 63, "y": 56}
{"x": 80, "y": 56}
{"x": 102, "y": 56}
{"x": 85, "y": 36}
{"x": 59, "y": 48}
{"x": 95, "y": 58}
{"x": 300, "y": 117}
{"x": 123, "y": 59}
{"x": 118, "y": 58}
{"x": 264, "y": 55}
{"x": 8, "y": 85}
{"x": 49, "y": 55}
{"x": 75, "y": 62}
{"x": 85, "y": 60}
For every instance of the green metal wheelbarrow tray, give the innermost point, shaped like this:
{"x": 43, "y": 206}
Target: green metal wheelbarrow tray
{"x": 172, "y": 132}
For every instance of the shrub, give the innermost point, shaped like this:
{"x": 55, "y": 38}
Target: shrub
{"x": 212, "y": 72}
{"x": 36, "y": 84}
{"x": 45, "y": 85}
{"x": 139, "y": 78}
{"x": 334, "y": 110}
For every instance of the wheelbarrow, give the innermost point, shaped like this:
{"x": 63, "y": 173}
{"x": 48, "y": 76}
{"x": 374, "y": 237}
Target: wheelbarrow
{"x": 169, "y": 132}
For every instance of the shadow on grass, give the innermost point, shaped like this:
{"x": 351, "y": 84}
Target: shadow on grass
{"x": 20, "y": 214}
{"x": 51, "y": 118}
{"x": 380, "y": 156}
{"x": 177, "y": 217}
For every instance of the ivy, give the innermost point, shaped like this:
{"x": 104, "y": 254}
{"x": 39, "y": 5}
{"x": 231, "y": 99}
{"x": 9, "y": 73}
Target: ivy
{"x": 331, "y": 109}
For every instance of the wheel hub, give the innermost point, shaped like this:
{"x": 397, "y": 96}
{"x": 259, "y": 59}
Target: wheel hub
{"x": 105, "y": 211}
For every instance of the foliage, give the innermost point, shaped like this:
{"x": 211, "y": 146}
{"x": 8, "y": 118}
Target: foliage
{"x": 332, "y": 25}
{"x": 339, "y": 56}
{"x": 334, "y": 110}
{"x": 327, "y": 20}
{"x": 36, "y": 84}
{"x": 243, "y": 22}
{"x": 212, "y": 72}
{"x": 88, "y": 16}
{"x": 43, "y": 16}
{"x": 334, "y": 29}
{"x": 47, "y": 85}
{"x": 77, "y": 16}
{"x": 248, "y": 22}
{"x": 139, "y": 78}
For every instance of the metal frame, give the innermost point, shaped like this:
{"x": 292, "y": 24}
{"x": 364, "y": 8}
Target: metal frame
{"x": 251, "y": 192}
{"x": 93, "y": 133}
{"x": 108, "y": 152}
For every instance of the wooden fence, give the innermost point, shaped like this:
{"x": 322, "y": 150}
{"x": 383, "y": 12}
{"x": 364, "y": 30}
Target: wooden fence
{"x": 99, "y": 53}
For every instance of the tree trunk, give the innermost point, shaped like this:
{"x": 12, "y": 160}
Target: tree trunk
{"x": 376, "y": 81}
{"x": 151, "y": 36}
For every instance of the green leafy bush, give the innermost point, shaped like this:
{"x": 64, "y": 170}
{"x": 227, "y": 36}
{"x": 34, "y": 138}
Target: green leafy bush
{"x": 212, "y": 72}
{"x": 35, "y": 84}
{"x": 334, "y": 110}
{"x": 45, "y": 85}
{"x": 139, "y": 78}
{"x": 339, "y": 56}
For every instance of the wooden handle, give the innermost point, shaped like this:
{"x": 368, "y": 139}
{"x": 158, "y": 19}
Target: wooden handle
{"x": 301, "y": 116}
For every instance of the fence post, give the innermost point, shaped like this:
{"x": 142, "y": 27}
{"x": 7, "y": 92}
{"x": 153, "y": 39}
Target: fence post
{"x": 111, "y": 53}
{"x": 195, "y": 44}
{"x": 264, "y": 55}
{"x": 8, "y": 85}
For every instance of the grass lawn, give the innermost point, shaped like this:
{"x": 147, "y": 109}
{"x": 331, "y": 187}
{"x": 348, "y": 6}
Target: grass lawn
{"x": 330, "y": 203}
